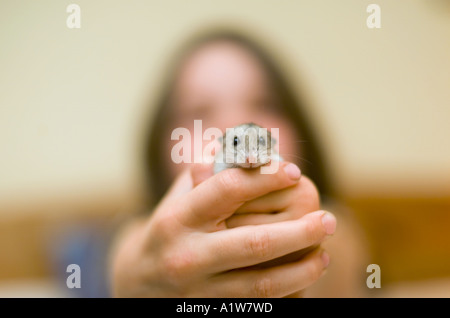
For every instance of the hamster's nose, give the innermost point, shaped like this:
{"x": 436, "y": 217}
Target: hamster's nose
{"x": 250, "y": 159}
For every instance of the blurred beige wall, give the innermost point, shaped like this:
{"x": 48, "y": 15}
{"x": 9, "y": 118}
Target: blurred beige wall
{"x": 72, "y": 101}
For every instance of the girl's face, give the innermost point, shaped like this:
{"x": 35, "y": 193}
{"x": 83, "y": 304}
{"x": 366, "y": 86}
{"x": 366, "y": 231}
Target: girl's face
{"x": 224, "y": 85}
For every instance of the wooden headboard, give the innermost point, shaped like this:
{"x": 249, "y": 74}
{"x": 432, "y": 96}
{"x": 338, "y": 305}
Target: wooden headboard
{"x": 409, "y": 236}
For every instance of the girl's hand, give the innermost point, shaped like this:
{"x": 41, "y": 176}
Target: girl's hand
{"x": 189, "y": 246}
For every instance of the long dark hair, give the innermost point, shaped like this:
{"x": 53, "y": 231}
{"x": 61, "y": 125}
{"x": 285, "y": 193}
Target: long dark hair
{"x": 291, "y": 108}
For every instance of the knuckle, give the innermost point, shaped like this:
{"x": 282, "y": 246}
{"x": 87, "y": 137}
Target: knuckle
{"x": 177, "y": 265}
{"x": 298, "y": 196}
{"x": 310, "y": 193}
{"x": 314, "y": 269}
{"x": 163, "y": 225}
{"x": 264, "y": 288}
{"x": 259, "y": 245}
{"x": 229, "y": 180}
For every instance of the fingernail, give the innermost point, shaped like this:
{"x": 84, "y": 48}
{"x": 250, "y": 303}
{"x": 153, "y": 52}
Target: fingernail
{"x": 292, "y": 171}
{"x": 329, "y": 222}
{"x": 325, "y": 259}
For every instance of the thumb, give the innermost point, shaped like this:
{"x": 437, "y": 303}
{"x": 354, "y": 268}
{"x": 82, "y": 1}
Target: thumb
{"x": 200, "y": 172}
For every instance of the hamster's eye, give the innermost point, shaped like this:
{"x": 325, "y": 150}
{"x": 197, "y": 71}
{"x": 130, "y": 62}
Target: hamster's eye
{"x": 235, "y": 141}
{"x": 262, "y": 141}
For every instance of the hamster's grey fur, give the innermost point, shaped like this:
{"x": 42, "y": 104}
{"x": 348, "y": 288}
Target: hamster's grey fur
{"x": 245, "y": 146}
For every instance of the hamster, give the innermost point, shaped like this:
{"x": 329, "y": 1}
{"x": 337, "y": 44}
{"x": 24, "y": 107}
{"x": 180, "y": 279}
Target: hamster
{"x": 245, "y": 146}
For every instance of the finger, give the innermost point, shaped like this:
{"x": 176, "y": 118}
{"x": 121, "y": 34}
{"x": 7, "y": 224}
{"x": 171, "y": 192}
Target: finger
{"x": 237, "y": 220}
{"x": 276, "y": 281}
{"x": 271, "y": 202}
{"x": 200, "y": 172}
{"x": 215, "y": 199}
{"x": 250, "y": 245}
{"x": 303, "y": 195}
{"x": 287, "y": 204}
{"x": 261, "y": 218}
